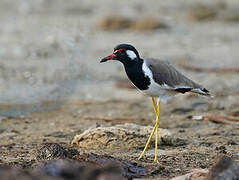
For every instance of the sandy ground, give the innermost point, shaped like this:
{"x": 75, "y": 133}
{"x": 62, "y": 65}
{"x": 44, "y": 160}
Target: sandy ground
{"x": 51, "y": 81}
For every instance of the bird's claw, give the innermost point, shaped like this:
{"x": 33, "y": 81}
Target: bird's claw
{"x": 156, "y": 161}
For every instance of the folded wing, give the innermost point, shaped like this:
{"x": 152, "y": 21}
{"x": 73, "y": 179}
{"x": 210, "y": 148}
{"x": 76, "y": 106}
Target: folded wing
{"x": 167, "y": 76}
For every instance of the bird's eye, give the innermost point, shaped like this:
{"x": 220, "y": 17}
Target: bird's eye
{"x": 123, "y": 51}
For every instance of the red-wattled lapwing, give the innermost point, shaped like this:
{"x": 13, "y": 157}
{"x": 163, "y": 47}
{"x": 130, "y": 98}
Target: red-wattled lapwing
{"x": 156, "y": 78}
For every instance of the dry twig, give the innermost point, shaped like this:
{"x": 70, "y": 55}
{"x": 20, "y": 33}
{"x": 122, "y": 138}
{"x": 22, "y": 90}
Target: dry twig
{"x": 221, "y": 119}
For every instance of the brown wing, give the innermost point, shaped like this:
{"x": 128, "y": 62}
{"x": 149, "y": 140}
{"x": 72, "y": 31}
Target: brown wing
{"x": 164, "y": 73}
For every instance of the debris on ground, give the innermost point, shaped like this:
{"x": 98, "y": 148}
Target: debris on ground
{"x": 54, "y": 158}
{"x": 63, "y": 170}
{"x": 115, "y": 23}
{"x": 50, "y": 151}
{"x": 224, "y": 168}
{"x": 196, "y": 174}
{"x": 123, "y": 136}
{"x": 217, "y": 119}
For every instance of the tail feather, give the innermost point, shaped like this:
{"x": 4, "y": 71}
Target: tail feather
{"x": 183, "y": 90}
{"x": 202, "y": 91}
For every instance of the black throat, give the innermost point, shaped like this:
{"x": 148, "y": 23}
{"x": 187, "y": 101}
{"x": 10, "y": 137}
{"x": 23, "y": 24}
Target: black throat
{"x": 136, "y": 74}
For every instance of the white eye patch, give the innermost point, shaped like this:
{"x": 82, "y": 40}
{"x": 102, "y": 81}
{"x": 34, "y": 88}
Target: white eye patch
{"x": 131, "y": 54}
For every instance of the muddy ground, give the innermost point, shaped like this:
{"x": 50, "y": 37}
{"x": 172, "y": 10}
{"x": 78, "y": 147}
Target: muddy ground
{"x": 21, "y": 137}
{"x": 52, "y": 86}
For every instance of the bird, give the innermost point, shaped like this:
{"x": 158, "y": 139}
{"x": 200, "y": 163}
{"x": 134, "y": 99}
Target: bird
{"x": 156, "y": 78}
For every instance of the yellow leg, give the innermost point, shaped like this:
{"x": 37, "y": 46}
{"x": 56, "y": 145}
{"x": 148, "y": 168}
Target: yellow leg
{"x": 153, "y": 131}
{"x": 157, "y": 134}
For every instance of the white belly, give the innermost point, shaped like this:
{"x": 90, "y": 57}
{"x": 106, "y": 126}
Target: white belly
{"x": 163, "y": 92}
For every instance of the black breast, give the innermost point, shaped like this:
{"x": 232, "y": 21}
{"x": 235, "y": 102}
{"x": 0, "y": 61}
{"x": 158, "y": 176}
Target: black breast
{"x": 135, "y": 73}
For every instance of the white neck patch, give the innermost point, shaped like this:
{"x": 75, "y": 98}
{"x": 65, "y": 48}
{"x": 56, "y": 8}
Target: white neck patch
{"x": 131, "y": 54}
{"x": 147, "y": 71}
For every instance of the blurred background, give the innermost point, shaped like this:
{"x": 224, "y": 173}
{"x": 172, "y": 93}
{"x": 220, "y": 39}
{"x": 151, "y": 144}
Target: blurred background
{"x": 50, "y": 50}
{"x": 52, "y": 86}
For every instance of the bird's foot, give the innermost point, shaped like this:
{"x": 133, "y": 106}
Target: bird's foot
{"x": 141, "y": 155}
{"x": 156, "y": 161}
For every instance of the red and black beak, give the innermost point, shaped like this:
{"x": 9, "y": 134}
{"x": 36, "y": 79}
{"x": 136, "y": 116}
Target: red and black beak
{"x": 110, "y": 57}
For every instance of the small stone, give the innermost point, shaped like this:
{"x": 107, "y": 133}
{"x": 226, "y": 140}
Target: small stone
{"x": 198, "y": 118}
{"x": 97, "y": 125}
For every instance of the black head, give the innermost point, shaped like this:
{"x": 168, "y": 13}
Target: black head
{"x": 124, "y": 53}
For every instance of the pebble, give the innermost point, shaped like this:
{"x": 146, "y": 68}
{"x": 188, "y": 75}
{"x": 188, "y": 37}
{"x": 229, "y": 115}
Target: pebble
{"x": 198, "y": 118}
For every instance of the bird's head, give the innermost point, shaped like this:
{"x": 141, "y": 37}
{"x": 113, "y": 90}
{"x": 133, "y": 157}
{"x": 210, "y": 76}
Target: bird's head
{"x": 124, "y": 53}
